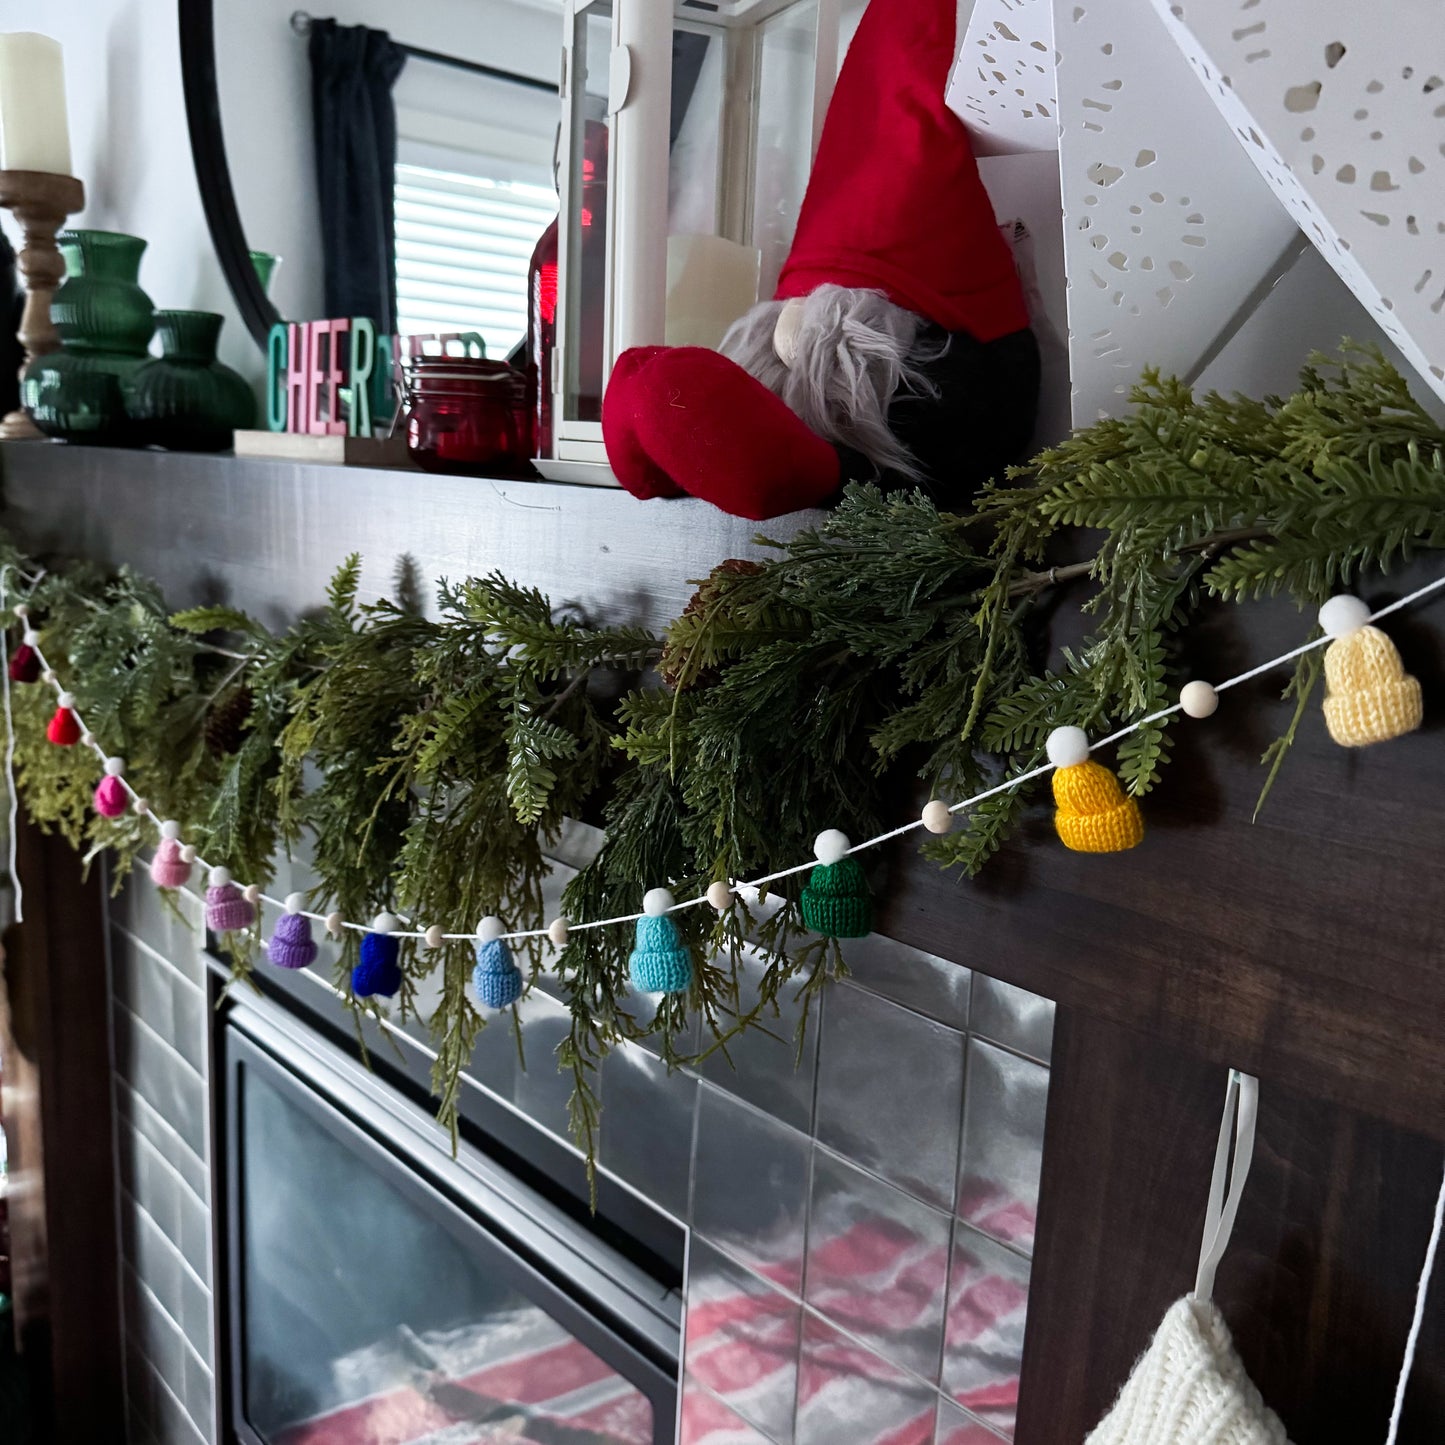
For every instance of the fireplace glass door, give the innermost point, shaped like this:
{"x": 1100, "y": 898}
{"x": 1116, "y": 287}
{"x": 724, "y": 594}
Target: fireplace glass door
{"x": 371, "y": 1308}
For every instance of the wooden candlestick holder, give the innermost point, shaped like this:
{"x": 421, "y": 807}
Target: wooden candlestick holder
{"x": 40, "y": 202}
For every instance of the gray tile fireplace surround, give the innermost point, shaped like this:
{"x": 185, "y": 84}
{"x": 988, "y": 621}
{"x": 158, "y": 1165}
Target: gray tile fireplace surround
{"x": 861, "y": 1224}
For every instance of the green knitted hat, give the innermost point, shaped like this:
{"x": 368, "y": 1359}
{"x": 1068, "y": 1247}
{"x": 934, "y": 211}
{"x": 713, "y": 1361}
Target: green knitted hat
{"x": 837, "y": 902}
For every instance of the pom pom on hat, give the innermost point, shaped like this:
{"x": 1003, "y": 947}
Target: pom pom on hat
{"x": 1369, "y": 697}
{"x": 496, "y": 978}
{"x": 227, "y": 910}
{"x": 64, "y": 728}
{"x": 1092, "y": 814}
{"x": 111, "y": 798}
{"x": 291, "y": 944}
{"x": 168, "y": 868}
{"x": 25, "y": 664}
{"x": 660, "y": 962}
{"x": 836, "y": 901}
{"x": 378, "y": 970}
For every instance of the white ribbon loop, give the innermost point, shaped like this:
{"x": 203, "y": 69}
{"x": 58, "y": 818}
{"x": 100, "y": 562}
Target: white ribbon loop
{"x": 1241, "y": 1109}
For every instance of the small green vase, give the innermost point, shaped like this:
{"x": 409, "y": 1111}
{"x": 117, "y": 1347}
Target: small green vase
{"x": 105, "y": 322}
{"x": 187, "y": 400}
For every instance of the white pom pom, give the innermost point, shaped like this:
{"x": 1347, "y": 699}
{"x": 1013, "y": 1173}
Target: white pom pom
{"x": 434, "y": 936}
{"x": 1067, "y": 747}
{"x": 557, "y": 932}
{"x": 831, "y": 846}
{"x": 936, "y": 817}
{"x": 141, "y": 807}
{"x": 219, "y": 877}
{"x": 48, "y": 677}
{"x": 490, "y": 929}
{"x": 384, "y": 923}
{"x": 295, "y": 902}
{"x": 66, "y": 699}
{"x": 719, "y": 895}
{"x": 656, "y": 902}
{"x": 1198, "y": 699}
{"x": 172, "y": 831}
{"x": 21, "y": 611}
{"x": 252, "y": 893}
{"x": 114, "y": 767}
{"x": 188, "y": 853}
{"x": 30, "y": 637}
{"x": 334, "y": 922}
{"x": 1343, "y": 615}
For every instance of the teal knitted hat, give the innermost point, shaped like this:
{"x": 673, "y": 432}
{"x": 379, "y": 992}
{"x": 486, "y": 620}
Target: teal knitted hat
{"x": 660, "y": 962}
{"x": 496, "y": 978}
{"x": 836, "y": 902}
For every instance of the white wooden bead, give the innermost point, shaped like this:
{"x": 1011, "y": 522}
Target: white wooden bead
{"x": 1067, "y": 747}
{"x": 831, "y": 846}
{"x": 21, "y": 610}
{"x": 252, "y": 893}
{"x": 720, "y": 896}
{"x": 188, "y": 853}
{"x": 557, "y": 932}
{"x": 87, "y": 739}
{"x": 1343, "y": 615}
{"x": 48, "y": 677}
{"x": 334, "y": 921}
{"x": 434, "y": 936}
{"x": 936, "y": 817}
{"x": 141, "y": 807}
{"x": 656, "y": 902}
{"x": 1198, "y": 699}
{"x": 490, "y": 929}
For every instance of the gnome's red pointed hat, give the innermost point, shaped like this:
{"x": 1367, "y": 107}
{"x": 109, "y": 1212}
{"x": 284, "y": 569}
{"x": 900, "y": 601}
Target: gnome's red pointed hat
{"x": 895, "y": 202}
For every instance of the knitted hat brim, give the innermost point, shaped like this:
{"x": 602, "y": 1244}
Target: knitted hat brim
{"x": 1374, "y": 714}
{"x": 1115, "y": 830}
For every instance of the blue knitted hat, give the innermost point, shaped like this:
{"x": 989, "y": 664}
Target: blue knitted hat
{"x": 496, "y": 978}
{"x": 378, "y": 971}
{"x": 660, "y": 962}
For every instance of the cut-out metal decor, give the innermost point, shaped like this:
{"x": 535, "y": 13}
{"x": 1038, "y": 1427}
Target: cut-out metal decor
{"x": 1170, "y": 233}
{"x": 1341, "y": 108}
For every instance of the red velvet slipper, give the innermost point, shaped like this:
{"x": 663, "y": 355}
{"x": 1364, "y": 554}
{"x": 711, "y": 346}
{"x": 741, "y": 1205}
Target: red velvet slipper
{"x": 620, "y": 409}
{"x": 723, "y": 436}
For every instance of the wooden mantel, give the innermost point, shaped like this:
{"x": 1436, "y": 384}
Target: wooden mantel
{"x": 1305, "y": 947}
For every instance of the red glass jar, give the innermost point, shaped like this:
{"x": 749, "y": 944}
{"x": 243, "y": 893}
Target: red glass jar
{"x": 468, "y": 416}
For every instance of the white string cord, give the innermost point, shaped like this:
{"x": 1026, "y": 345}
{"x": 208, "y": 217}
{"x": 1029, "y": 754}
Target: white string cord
{"x": 1007, "y": 785}
{"x": 1412, "y": 1341}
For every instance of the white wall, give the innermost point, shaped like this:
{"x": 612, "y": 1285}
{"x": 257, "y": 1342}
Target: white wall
{"x": 265, "y": 86}
{"x": 130, "y": 146}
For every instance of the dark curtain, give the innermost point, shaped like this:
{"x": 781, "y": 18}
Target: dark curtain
{"x": 352, "y": 72}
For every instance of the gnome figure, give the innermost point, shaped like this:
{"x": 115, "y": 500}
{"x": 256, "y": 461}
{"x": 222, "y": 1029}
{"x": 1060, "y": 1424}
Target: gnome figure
{"x": 897, "y": 346}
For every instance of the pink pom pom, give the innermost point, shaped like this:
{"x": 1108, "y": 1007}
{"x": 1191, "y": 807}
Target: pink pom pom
{"x": 111, "y": 798}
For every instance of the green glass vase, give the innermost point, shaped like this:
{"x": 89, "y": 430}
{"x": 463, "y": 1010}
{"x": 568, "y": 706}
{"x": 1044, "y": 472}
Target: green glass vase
{"x": 185, "y": 399}
{"x": 105, "y": 322}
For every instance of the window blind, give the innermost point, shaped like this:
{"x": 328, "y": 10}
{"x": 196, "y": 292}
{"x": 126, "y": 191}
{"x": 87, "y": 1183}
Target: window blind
{"x": 462, "y": 247}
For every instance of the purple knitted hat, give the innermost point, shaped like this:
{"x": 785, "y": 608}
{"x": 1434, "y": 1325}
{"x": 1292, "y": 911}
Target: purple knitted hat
{"x": 291, "y": 945}
{"x": 227, "y": 910}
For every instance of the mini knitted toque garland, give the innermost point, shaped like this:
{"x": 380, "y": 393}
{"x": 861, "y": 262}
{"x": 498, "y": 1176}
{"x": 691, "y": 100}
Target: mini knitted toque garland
{"x": 836, "y": 901}
{"x": 659, "y": 962}
{"x": 291, "y": 944}
{"x": 1369, "y": 697}
{"x": 496, "y": 978}
{"x": 1092, "y": 814}
{"x": 378, "y": 970}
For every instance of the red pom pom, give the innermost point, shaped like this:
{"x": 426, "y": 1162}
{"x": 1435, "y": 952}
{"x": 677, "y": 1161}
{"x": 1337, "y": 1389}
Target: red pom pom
{"x": 111, "y": 798}
{"x": 25, "y": 664}
{"x": 64, "y": 729}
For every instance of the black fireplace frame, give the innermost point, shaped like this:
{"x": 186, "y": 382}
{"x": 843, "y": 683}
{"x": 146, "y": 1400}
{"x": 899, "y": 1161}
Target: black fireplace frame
{"x": 624, "y": 1315}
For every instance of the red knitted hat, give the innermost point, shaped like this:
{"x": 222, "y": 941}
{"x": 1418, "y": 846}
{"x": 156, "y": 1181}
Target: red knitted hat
{"x": 894, "y": 201}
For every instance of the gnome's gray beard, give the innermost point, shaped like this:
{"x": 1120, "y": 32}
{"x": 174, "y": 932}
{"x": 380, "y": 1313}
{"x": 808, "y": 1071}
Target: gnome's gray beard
{"x": 856, "y": 351}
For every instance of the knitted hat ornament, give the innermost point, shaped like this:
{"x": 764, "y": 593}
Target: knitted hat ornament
{"x": 111, "y": 797}
{"x": 25, "y": 664}
{"x": 291, "y": 944}
{"x": 64, "y": 729}
{"x": 228, "y": 910}
{"x": 496, "y": 978}
{"x": 660, "y": 962}
{"x": 1091, "y": 812}
{"x": 378, "y": 971}
{"x": 836, "y": 901}
{"x": 1369, "y": 697}
{"x": 170, "y": 868}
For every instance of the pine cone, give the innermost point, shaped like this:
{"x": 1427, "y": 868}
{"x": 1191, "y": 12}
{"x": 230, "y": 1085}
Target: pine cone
{"x": 674, "y": 661}
{"x": 226, "y": 722}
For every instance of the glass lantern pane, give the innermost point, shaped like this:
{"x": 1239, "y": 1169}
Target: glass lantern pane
{"x": 591, "y": 144}
{"x": 787, "y": 46}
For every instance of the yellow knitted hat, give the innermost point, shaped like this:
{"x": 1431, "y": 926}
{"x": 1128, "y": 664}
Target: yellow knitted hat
{"x": 1369, "y": 698}
{"x": 1093, "y": 815}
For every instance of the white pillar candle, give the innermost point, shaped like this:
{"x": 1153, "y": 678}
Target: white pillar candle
{"x": 34, "y": 134}
{"x": 710, "y": 283}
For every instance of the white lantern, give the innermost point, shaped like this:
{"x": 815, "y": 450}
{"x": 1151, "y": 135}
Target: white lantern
{"x": 688, "y": 131}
